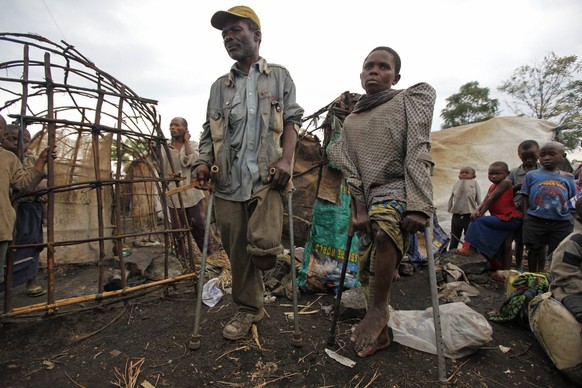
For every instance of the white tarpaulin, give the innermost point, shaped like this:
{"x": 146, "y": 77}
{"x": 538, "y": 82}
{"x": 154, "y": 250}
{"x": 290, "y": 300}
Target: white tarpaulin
{"x": 478, "y": 145}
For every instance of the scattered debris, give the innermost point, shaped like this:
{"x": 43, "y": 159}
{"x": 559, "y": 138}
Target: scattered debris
{"x": 458, "y": 291}
{"x": 353, "y": 304}
{"x": 128, "y": 378}
{"x": 211, "y": 294}
{"x": 48, "y": 364}
{"x": 264, "y": 369}
{"x": 502, "y": 276}
{"x": 255, "y": 332}
{"x": 114, "y": 353}
{"x": 339, "y": 358}
{"x": 476, "y": 268}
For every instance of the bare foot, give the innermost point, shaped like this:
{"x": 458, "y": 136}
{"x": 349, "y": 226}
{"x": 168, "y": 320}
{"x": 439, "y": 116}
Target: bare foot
{"x": 382, "y": 342}
{"x": 367, "y": 335}
{"x": 396, "y": 275}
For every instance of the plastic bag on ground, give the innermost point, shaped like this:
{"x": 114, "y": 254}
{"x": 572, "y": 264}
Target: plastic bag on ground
{"x": 211, "y": 294}
{"x": 464, "y": 330}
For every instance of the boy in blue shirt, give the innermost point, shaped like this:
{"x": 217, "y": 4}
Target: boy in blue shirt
{"x": 547, "y": 220}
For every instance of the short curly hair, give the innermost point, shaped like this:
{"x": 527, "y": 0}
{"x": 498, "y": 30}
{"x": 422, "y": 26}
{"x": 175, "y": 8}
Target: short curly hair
{"x": 390, "y": 50}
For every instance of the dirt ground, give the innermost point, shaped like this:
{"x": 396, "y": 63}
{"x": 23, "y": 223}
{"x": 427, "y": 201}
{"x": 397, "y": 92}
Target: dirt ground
{"x": 145, "y": 340}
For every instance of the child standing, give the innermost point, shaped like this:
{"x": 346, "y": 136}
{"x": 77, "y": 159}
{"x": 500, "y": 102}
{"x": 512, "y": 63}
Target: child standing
{"x": 545, "y": 194}
{"x": 13, "y": 175}
{"x": 527, "y": 151}
{"x": 487, "y": 234}
{"x": 464, "y": 200}
{"x": 29, "y": 218}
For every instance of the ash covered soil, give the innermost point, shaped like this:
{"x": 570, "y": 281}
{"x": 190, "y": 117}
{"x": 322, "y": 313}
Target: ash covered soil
{"x": 145, "y": 339}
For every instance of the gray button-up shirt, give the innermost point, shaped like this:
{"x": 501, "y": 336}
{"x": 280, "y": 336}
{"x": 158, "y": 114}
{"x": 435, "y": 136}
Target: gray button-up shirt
{"x": 245, "y": 120}
{"x": 245, "y": 135}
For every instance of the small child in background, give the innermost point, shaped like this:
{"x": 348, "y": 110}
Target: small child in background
{"x": 487, "y": 234}
{"x": 527, "y": 151}
{"x": 546, "y": 191}
{"x": 464, "y": 200}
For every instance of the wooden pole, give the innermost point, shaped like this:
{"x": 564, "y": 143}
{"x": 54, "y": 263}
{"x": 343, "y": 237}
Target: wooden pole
{"x": 51, "y": 128}
{"x": 51, "y": 307}
{"x": 98, "y": 188}
{"x": 117, "y": 194}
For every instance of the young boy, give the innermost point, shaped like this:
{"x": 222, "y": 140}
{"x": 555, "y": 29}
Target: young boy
{"x": 566, "y": 268}
{"x": 527, "y": 151}
{"x": 464, "y": 200}
{"x": 29, "y": 218}
{"x": 383, "y": 152}
{"x": 13, "y": 175}
{"x": 547, "y": 220}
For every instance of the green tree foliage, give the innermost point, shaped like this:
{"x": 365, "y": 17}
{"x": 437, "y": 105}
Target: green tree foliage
{"x": 472, "y": 104}
{"x": 549, "y": 90}
{"x": 130, "y": 149}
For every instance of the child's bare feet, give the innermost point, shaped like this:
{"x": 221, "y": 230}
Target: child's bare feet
{"x": 371, "y": 334}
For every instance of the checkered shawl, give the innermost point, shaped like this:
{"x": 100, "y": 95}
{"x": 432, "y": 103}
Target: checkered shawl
{"x": 383, "y": 152}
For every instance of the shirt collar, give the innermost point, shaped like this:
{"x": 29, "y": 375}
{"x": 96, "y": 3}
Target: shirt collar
{"x": 261, "y": 65}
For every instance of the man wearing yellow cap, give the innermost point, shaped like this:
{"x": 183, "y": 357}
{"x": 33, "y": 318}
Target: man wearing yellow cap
{"x": 250, "y": 135}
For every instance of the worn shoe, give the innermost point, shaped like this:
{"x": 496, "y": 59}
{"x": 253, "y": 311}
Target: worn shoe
{"x": 35, "y": 291}
{"x": 240, "y": 324}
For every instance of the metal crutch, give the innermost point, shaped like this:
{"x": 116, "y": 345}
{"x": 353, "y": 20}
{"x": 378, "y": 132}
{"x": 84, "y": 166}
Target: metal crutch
{"x": 332, "y": 334}
{"x": 297, "y": 338}
{"x": 194, "y": 343}
{"x": 435, "y": 305}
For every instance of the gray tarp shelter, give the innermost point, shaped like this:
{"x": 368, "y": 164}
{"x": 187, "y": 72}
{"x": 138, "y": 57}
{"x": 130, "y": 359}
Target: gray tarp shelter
{"x": 478, "y": 145}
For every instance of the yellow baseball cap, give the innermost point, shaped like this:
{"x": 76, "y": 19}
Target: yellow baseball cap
{"x": 220, "y": 18}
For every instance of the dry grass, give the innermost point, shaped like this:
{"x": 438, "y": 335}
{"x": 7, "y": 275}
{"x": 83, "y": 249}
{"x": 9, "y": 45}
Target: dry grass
{"x": 129, "y": 377}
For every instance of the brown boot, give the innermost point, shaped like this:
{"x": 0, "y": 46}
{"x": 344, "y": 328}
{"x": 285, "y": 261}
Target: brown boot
{"x": 240, "y": 324}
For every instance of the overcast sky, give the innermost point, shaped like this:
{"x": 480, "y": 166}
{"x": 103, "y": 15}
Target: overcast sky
{"x": 168, "y": 51}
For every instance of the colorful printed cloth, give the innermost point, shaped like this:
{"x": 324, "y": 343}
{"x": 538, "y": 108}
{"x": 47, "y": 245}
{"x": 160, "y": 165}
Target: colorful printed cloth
{"x": 387, "y": 215}
{"x": 527, "y": 286}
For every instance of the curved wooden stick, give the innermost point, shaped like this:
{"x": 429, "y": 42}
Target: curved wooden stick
{"x": 213, "y": 171}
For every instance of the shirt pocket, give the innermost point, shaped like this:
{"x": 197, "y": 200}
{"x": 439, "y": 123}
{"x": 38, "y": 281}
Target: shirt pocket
{"x": 237, "y": 112}
{"x": 216, "y": 120}
{"x": 276, "y": 119}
